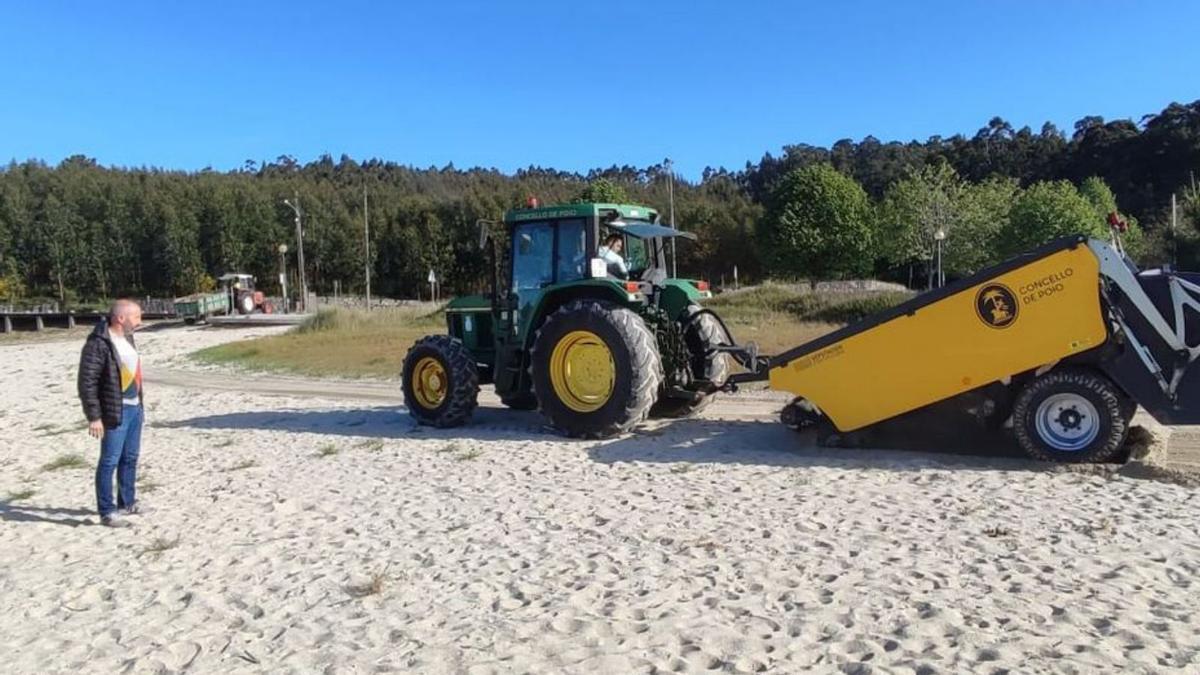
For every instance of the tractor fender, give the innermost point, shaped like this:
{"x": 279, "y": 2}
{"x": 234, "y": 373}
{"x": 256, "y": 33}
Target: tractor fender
{"x": 554, "y": 298}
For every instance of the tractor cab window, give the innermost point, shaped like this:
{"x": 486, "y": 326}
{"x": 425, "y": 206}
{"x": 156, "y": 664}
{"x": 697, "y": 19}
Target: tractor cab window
{"x": 636, "y": 257}
{"x": 533, "y": 256}
{"x": 572, "y": 250}
{"x": 637, "y": 253}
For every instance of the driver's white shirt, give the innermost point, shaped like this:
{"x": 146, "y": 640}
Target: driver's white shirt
{"x": 611, "y": 257}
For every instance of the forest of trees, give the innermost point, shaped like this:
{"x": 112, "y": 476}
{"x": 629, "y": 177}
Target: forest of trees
{"x": 80, "y": 231}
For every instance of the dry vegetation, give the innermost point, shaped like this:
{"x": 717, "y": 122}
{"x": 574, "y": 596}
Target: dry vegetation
{"x": 339, "y": 342}
{"x": 349, "y": 343}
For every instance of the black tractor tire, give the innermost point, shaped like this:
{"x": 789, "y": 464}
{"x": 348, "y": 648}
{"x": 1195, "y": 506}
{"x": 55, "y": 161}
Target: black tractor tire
{"x": 245, "y": 303}
{"x": 190, "y": 321}
{"x": 458, "y": 395}
{"x": 522, "y": 400}
{"x": 636, "y": 363}
{"x": 701, "y": 336}
{"x": 1053, "y": 414}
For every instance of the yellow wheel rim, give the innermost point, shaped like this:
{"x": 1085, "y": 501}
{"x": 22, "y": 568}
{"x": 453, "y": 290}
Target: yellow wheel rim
{"x": 582, "y": 371}
{"x": 429, "y": 383}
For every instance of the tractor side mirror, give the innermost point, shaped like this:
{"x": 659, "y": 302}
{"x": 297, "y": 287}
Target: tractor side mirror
{"x": 598, "y": 268}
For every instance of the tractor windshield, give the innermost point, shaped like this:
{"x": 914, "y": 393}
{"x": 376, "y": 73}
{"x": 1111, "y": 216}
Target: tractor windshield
{"x": 641, "y": 246}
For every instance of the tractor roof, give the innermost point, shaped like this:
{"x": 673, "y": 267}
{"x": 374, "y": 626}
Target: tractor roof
{"x": 234, "y": 275}
{"x": 585, "y": 210}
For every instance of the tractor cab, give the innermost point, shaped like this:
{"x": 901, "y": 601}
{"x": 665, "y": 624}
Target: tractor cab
{"x": 583, "y": 322}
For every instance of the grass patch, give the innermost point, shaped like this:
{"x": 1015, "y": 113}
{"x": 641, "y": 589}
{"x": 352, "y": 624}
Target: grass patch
{"x": 781, "y": 316}
{"x": 355, "y": 343}
{"x": 373, "y": 445}
{"x": 20, "y": 495}
{"x": 469, "y": 454}
{"x": 244, "y": 464}
{"x": 71, "y": 461}
{"x": 158, "y": 546}
{"x": 374, "y": 585}
{"x": 342, "y": 342}
{"x": 327, "y": 450}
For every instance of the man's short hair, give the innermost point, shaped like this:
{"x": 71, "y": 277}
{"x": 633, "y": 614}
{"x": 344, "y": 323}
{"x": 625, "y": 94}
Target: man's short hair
{"x": 122, "y": 306}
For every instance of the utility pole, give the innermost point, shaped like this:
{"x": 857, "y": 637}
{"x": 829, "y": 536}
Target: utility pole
{"x": 671, "y": 199}
{"x": 300, "y": 251}
{"x": 367, "y": 246}
{"x": 1174, "y": 246}
{"x": 283, "y": 275}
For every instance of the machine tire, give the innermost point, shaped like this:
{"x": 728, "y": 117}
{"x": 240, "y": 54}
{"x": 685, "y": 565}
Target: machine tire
{"x": 636, "y": 368}
{"x": 1068, "y": 390}
{"x": 524, "y": 400}
{"x": 702, "y": 335}
{"x": 437, "y": 403}
{"x": 245, "y": 303}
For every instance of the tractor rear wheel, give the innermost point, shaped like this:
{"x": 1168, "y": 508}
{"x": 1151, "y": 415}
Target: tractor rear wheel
{"x": 1071, "y": 415}
{"x": 245, "y": 303}
{"x": 702, "y": 336}
{"x": 596, "y": 369}
{"x": 441, "y": 385}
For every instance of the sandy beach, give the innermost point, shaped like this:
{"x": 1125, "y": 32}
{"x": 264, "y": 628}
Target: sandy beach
{"x": 324, "y": 533}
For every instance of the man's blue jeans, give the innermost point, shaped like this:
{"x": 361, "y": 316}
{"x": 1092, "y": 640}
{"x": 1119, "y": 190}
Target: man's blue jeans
{"x": 119, "y": 451}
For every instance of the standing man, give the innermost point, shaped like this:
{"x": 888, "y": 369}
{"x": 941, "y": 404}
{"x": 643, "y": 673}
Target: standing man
{"x": 110, "y": 388}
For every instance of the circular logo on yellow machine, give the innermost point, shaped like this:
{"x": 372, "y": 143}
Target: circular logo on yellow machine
{"x": 996, "y": 305}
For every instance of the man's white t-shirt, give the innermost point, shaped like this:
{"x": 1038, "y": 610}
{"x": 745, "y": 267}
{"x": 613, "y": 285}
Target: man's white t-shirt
{"x": 131, "y": 370}
{"x": 612, "y": 258}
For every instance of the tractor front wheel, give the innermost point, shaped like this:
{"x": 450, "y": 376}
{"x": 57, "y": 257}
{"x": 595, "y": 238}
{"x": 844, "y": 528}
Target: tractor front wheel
{"x": 1071, "y": 415}
{"x": 441, "y": 385}
{"x": 596, "y": 369}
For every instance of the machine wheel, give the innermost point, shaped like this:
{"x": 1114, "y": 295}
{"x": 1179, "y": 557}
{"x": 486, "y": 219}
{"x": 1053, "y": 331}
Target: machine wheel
{"x": 441, "y": 386}
{"x": 800, "y": 415}
{"x": 245, "y": 303}
{"x": 1071, "y": 415}
{"x": 524, "y": 400}
{"x": 596, "y": 369}
{"x": 702, "y": 335}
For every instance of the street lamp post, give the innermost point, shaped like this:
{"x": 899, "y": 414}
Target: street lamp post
{"x": 939, "y": 237}
{"x": 283, "y": 275}
{"x": 300, "y": 252}
{"x": 671, "y": 199}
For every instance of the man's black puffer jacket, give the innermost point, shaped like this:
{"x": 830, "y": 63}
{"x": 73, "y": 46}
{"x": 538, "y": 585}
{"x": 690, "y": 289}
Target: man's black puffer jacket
{"x": 100, "y": 378}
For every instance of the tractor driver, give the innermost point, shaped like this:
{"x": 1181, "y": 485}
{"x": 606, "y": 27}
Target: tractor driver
{"x": 610, "y": 252}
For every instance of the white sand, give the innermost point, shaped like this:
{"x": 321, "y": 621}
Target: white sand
{"x": 726, "y": 544}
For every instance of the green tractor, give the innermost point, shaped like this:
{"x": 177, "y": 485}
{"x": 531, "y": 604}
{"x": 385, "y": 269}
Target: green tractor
{"x": 595, "y": 345}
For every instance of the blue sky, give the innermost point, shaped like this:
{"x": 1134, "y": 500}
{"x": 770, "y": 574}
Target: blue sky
{"x": 570, "y": 85}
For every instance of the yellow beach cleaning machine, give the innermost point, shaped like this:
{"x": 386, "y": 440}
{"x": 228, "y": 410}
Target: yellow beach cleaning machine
{"x": 1064, "y": 341}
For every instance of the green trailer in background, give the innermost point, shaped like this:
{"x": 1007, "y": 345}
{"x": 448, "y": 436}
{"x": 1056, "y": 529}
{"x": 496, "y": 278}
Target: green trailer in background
{"x": 197, "y": 307}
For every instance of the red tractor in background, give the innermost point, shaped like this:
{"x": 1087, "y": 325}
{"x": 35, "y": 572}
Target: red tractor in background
{"x": 243, "y": 297}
